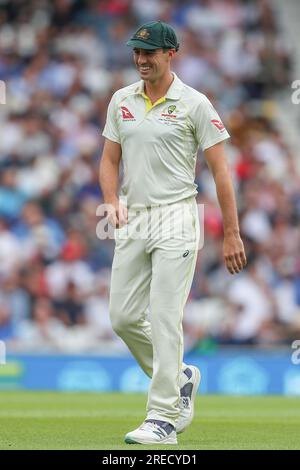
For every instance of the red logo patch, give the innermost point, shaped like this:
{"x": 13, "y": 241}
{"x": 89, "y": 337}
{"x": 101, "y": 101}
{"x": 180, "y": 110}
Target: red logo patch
{"x": 169, "y": 115}
{"x": 219, "y": 125}
{"x": 126, "y": 114}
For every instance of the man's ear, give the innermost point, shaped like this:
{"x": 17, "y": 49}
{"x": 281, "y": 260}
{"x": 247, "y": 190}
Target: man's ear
{"x": 171, "y": 52}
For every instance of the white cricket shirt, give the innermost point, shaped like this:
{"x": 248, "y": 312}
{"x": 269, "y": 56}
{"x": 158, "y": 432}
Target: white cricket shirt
{"x": 160, "y": 141}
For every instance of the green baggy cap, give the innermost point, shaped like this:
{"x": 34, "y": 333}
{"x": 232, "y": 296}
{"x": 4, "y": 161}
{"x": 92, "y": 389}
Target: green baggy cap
{"x": 154, "y": 35}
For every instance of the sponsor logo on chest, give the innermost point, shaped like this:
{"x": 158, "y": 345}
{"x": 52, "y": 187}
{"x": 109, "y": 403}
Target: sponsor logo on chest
{"x": 169, "y": 115}
{"x": 126, "y": 114}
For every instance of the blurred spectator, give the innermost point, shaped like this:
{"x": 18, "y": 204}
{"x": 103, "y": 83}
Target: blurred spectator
{"x": 251, "y": 311}
{"x": 69, "y": 309}
{"x": 96, "y": 309}
{"x": 6, "y": 325}
{"x": 43, "y": 333}
{"x": 71, "y": 267}
{"x": 10, "y": 250}
{"x": 16, "y": 299}
{"x": 38, "y": 234}
{"x": 11, "y": 198}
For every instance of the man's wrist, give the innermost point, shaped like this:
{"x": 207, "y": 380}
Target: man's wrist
{"x": 232, "y": 232}
{"x": 113, "y": 200}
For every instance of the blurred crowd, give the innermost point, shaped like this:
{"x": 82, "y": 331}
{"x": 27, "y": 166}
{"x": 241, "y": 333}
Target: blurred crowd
{"x": 61, "y": 61}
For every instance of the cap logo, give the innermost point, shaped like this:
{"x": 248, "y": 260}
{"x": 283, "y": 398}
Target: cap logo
{"x": 143, "y": 34}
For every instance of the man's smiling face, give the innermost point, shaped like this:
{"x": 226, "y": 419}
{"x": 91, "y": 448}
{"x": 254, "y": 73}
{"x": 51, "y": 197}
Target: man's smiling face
{"x": 152, "y": 64}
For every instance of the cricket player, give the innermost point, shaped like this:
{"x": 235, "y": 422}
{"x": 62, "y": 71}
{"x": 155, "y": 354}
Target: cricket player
{"x": 155, "y": 127}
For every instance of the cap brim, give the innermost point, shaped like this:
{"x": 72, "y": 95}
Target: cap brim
{"x": 141, "y": 44}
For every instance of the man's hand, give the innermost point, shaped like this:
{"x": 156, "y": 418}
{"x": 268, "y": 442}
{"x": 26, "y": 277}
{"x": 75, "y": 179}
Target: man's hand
{"x": 117, "y": 214}
{"x": 234, "y": 253}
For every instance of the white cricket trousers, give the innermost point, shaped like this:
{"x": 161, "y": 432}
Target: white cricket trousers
{"x": 152, "y": 272}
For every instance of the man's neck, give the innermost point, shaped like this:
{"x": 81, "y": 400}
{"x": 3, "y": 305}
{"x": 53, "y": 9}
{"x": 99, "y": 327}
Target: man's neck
{"x": 158, "y": 89}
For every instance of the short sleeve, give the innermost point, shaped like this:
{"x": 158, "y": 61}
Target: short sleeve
{"x": 111, "y": 130}
{"x": 209, "y": 128}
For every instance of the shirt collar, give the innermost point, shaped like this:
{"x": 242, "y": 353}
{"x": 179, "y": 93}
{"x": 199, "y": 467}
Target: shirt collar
{"x": 173, "y": 93}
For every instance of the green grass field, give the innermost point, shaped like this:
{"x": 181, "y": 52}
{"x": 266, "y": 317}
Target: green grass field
{"x": 99, "y": 421}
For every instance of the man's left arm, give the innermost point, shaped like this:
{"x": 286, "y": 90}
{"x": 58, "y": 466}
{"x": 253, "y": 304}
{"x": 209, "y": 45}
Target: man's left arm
{"x": 233, "y": 247}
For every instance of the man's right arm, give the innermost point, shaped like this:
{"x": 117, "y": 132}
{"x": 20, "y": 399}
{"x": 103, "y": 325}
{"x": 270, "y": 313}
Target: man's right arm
{"x": 109, "y": 179}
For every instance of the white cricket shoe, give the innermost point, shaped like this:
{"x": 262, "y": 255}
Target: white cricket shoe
{"x": 187, "y": 398}
{"x": 152, "y": 432}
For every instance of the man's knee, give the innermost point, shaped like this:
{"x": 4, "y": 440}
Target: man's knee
{"x": 120, "y": 319}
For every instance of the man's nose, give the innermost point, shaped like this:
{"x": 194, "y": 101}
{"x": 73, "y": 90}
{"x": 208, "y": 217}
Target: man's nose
{"x": 142, "y": 59}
